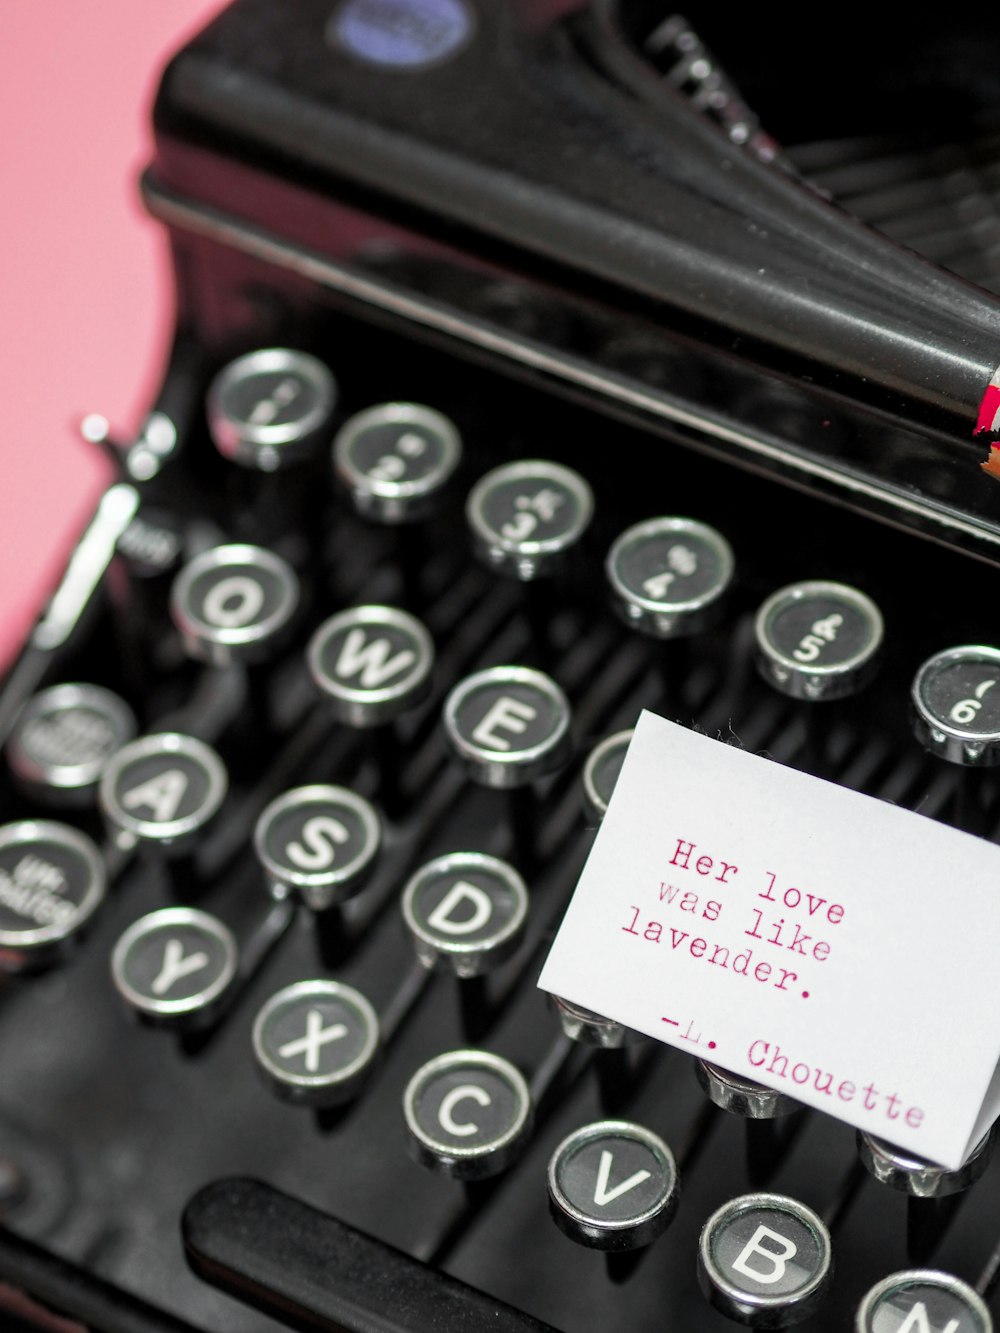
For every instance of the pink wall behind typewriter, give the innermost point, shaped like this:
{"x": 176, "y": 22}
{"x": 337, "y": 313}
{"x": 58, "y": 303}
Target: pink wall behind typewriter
{"x": 84, "y": 290}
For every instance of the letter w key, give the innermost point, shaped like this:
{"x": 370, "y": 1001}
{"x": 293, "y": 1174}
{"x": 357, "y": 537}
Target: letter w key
{"x": 371, "y": 660}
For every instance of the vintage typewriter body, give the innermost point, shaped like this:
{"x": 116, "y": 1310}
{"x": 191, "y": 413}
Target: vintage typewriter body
{"x": 537, "y": 224}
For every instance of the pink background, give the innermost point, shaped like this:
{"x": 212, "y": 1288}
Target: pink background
{"x": 85, "y": 293}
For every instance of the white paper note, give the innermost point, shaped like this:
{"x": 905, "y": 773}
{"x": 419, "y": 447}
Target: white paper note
{"x": 817, "y": 940}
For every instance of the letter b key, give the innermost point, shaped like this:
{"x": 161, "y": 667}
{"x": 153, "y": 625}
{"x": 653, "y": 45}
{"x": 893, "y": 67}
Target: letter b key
{"x": 764, "y": 1259}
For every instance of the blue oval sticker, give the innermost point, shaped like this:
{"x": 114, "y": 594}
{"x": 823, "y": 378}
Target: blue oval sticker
{"x": 401, "y": 34}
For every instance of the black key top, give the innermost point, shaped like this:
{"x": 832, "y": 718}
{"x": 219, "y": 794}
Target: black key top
{"x": 764, "y": 1260}
{"x": 956, "y": 705}
{"x": 231, "y": 603}
{"x": 175, "y": 967}
{"x": 296, "y": 1263}
{"x": 526, "y": 517}
{"x": 315, "y": 1042}
{"x": 395, "y": 460}
{"x": 372, "y": 663}
{"x": 161, "y": 790}
{"x": 818, "y": 640}
{"x": 668, "y": 576}
{"x": 63, "y": 739}
{"x": 52, "y": 881}
{"x": 923, "y": 1299}
{"x": 612, "y": 1186}
{"x": 318, "y": 842}
{"x": 468, "y": 1113}
{"x": 270, "y": 408}
{"x": 466, "y": 912}
{"x": 509, "y": 725}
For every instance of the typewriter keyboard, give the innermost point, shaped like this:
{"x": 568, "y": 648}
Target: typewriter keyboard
{"x": 289, "y": 823}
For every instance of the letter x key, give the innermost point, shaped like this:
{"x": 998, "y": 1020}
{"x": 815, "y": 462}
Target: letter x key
{"x": 315, "y": 1042}
{"x": 316, "y": 1037}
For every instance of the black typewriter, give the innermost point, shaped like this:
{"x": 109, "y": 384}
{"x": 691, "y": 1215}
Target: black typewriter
{"x": 535, "y": 363}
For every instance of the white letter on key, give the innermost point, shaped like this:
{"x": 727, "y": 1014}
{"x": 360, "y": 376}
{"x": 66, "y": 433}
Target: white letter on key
{"x": 777, "y": 1261}
{"x": 175, "y": 966}
{"x": 918, "y": 1322}
{"x": 482, "y": 909}
{"x": 506, "y": 712}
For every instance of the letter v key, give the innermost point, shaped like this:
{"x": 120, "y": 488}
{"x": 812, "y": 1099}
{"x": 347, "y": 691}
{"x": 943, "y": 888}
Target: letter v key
{"x": 602, "y": 1194}
{"x": 612, "y": 1186}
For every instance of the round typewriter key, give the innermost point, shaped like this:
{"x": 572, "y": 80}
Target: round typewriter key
{"x": 818, "y": 640}
{"x": 913, "y": 1175}
{"x": 920, "y": 1299}
{"x": 64, "y": 737}
{"x": 742, "y": 1096}
{"x": 468, "y": 1114}
{"x": 175, "y": 966}
{"x": 508, "y": 724}
{"x": 612, "y": 1186}
{"x": 526, "y": 516}
{"x": 162, "y": 789}
{"x": 466, "y": 912}
{"x": 372, "y": 663}
{"x": 764, "y": 1260}
{"x": 319, "y": 842}
{"x": 600, "y": 773}
{"x": 232, "y": 601}
{"x": 52, "y": 880}
{"x": 956, "y": 705}
{"x": 396, "y": 459}
{"x": 269, "y": 409}
{"x": 315, "y": 1042}
{"x": 590, "y": 1029}
{"x": 668, "y": 576}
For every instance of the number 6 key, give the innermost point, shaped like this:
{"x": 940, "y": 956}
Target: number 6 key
{"x": 956, "y": 705}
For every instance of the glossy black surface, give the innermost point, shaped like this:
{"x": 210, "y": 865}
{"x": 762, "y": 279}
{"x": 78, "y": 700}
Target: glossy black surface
{"x": 634, "y": 228}
{"x": 517, "y": 267}
{"x": 117, "y": 1126}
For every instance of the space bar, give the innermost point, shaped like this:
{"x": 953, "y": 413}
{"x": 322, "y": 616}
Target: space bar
{"x": 304, "y": 1267}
